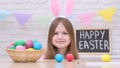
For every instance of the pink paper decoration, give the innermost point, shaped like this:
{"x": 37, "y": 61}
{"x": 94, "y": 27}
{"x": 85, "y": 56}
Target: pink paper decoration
{"x": 87, "y": 17}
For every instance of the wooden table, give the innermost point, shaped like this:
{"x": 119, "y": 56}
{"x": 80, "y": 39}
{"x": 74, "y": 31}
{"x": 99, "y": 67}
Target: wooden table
{"x": 6, "y": 62}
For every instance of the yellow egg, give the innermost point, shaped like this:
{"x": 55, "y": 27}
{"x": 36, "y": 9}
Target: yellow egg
{"x": 30, "y": 49}
{"x": 106, "y": 58}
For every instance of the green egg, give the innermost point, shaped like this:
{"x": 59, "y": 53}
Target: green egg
{"x": 12, "y": 48}
{"x": 19, "y": 42}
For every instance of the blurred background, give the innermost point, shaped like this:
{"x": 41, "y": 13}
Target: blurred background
{"x": 30, "y": 19}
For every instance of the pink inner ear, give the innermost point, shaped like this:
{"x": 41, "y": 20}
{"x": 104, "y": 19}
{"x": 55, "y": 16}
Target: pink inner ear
{"x": 69, "y": 7}
{"x": 54, "y": 5}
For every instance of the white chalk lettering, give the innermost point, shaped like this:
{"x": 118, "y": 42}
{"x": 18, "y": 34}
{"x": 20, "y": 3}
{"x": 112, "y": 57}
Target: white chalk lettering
{"x": 86, "y": 35}
{"x": 94, "y": 45}
{"x": 81, "y": 34}
{"x": 101, "y": 44}
{"x": 106, "y": 47}
{"x": 80, "y": 44}
{"x": 91, "y": 34}
{"x": 96, "y": 34}
{"x": 86, "y": 46}
{"x": 103, "y": 33}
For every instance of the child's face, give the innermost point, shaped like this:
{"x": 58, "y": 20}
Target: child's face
{"x": 61, "y": 38}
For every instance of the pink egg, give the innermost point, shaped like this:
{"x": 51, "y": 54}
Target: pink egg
{"x": 20, "y": 47}
{"x": 29, "y": 44}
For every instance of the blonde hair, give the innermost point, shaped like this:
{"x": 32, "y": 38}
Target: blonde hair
{"x": 52, "y": 50}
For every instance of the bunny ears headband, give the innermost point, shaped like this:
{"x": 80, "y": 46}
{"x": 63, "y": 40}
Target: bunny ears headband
{"x": 55, "y": 7}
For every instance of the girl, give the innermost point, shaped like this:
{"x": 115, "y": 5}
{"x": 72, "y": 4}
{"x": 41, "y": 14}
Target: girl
{"x": 61, "y": 39}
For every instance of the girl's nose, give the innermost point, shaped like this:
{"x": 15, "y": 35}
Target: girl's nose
{"x": 60, "y": 36}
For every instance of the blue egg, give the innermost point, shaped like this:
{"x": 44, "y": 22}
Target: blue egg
{"x": 59, "y": 58}
{"x": 37, "y": 46}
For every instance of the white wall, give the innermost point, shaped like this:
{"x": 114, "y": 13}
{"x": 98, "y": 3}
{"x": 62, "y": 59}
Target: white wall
{"x": 10, "y": 30}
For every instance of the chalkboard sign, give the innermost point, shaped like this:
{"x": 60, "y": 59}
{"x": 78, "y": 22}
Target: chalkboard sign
{"x": 93, "y": 40}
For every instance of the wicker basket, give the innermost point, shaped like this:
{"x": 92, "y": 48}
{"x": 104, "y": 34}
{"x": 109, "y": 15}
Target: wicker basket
{"x": 25, "y": 56}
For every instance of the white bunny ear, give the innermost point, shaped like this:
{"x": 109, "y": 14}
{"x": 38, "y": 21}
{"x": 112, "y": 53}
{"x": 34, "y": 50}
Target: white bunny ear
{"x": 54, "y": 6}
{"x": 69, "y": 7}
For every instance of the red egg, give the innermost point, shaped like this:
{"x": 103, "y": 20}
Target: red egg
{"x": 69, "y": 57}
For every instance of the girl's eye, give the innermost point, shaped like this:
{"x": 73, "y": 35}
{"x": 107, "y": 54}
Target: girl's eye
{"x": 65, "y": 33}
